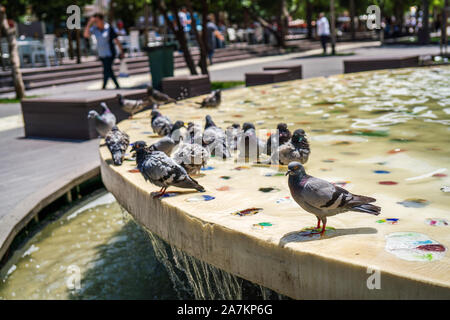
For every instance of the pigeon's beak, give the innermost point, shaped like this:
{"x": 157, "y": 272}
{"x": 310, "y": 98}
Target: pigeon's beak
{"x": 133, "y": 148}
{"x": 288, "y": 172}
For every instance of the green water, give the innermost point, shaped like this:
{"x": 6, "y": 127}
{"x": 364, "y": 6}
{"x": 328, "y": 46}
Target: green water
{"x": 114, "y": 255}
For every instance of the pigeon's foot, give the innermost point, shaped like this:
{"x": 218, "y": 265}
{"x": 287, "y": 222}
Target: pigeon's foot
{"x": 160, "y": 193}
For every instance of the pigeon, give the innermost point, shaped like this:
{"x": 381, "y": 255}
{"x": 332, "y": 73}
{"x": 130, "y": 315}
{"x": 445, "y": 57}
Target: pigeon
{"x": 104, "y": 121}
{"x": 249, "y": 145}
{"x": 161, "y": 125}
{"x": 132, "y": 106}
{"x": 158, "y": 96}
{"x": 169, "y": 142}
{"x": 161, "y": 170}
{"x": 212, "y": 100}
{"x": 193, "y": 133}
{"x": 117, "y": 142}
{"x": 192, "y": 157}
{"x": 324, "y": 199}
{"x": 215, "y": 140}
{"x": 232, "y": 133}
{"x": 295, "y": 150}
{"x": 284, "y": 135}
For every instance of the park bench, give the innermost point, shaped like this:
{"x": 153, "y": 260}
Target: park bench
{"x": 267, "y": 76}
{"x": 374, "y": 63}
{"x": 295, "y": 70}
{"x": 65, "y": 116}
{"x": 183, "y": 87}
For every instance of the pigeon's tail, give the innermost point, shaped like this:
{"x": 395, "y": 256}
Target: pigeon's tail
{"x": 368, "y": 208}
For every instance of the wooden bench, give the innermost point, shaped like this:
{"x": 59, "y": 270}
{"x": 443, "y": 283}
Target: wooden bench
{"x": 374, "y": 63}
{"x": 183, "y": 87}
{"x": 65, "y": 116}
{"x": 265, "y": 77}
{"x": 295, "y": 69}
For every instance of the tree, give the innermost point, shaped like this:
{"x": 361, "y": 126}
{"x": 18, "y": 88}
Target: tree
{"x": 10, "y": 33}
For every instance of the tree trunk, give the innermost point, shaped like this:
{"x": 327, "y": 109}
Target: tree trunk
{"x": 10, "y": 33}
{"x": 201, "y": 39}
{"x": 333, "y": 28}
{"x": 69, "y": 38}
{"x": 352, "y": 19}
{"x": 77, "y": 35}
{"x": 424, "y": 32}
{"x": 444, "y": 28}
{"x": 283, "y": 23}
{"x": 179, "y": 33}
{"x": 309, "y": 11}
{"x": 146, "y": 16}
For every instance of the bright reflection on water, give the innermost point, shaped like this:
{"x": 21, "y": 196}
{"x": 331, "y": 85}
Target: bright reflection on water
{"x": 114, "y": 255}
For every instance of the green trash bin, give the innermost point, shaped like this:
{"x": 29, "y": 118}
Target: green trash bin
{"x": 161, "y": 63}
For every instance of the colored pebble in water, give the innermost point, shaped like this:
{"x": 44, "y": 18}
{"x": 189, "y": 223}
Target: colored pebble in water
{"x": 414, "y": 203}
{"x": 388, "y": 220}
{"x": 169, "y": 195}
{"x": 262, "y": 225}
{"x": 223, "y": 188}
{"x": 133, "y": 170}
{"x": 436, "y": 222}
{"x": 329, "y": 160}
{"x": 432, "y": 247}
{"x": 241, "y": 168}
{"x": 396, "y": 150}
{"x": 207, "y": 168}
{"x": 225, "y": 177}
{"x": 247, "y": 212}
{"x": 388, "y": 183}
{"x": 268, "y": 189}
{"x": 401, "y": 140}
{"x": 381, "y": 171}
{"x": 199, "y": 198}
{"x": 439, "y": 175}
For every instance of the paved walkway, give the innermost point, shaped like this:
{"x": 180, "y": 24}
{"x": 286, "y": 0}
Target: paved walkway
{"x": 32, "y": 168}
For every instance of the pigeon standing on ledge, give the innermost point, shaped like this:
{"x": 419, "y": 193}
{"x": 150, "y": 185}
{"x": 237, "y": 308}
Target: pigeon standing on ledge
{"x": 215, "y": 140}
{"x": 132, "y": 106}
{"x": 104, "y": 121}
{"x": 295, "y": 150}
{"x": 161, "y": 125}
{"x": 192, "y": 157}
{"x": 158, "y": 96}
{"x": 117, "y": 142}
{"x": 322, "y": 198}
{"x": 213, "y": 100}
{"x": 169, "y": 142}
{"x": 249, "y": 145}
{"x": 161, "y": 170}
{"x": 284, "y": 135}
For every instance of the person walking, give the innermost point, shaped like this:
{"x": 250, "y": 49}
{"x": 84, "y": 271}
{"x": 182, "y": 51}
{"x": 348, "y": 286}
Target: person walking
{"x": 212, "y": 33}
{"x": 106, "y": 38}
{"x": 323, "y": 31}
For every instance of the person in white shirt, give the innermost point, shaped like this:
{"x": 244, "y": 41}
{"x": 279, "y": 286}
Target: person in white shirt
{"x": 323, "y": 31}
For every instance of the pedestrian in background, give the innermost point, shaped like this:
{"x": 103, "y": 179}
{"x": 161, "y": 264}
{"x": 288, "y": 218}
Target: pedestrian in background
{"x": 212, "y": 34}
{"x": 106, "y": 37}
{"x": 323, "y": 31}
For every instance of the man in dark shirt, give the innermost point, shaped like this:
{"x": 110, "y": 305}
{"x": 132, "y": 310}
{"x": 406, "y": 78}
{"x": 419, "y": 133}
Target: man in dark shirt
{"x": 212, "y": 34}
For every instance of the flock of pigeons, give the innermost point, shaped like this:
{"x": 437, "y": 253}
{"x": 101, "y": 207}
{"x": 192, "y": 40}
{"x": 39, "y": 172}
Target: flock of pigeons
{"x": 176, "y": 157}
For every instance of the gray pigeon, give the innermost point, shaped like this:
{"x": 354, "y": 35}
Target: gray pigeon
{"x": 117, "y": 142}
{"x": 283, "y": 134}
{"x": 322, "y": 198}
{"x": 161, "y": 170}
{"x": 192, "y": 157}
{"x": 104, "y": 121}
{"x": 161, "y": 125}
{"x": 159, "y": 97}
{"x": 193, "y": 133}
{"x": 215, "y": 140}
{"x": 295, "y": 150}
{"x": 213, "y": 100}
{"x": 249, "y": 145}
{"x": 132, "y": 106}
{"x": 233, "y": 132}
{"x": 169, "y": 142}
